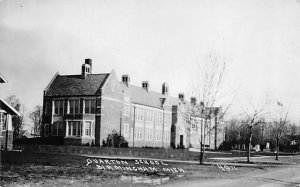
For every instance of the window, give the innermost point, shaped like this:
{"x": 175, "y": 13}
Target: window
{"x": 141, "y": 133}
{"x": 90, "y": 106}
{"x": 151, "y": 115}
{"x": 127, "y": 110}
{"x": 48, "y": 108}
{"x": 158, "y": 134}
{"x": 148, "y": 133}
{"x": 126, "y": 130}
{"x": 135, "y": 133}
{"x": 167, "y": 118}
{"x": 132, "y": 112}
{"x": 74, "y": 128}
{"x": 46, "y": 130}
{"x": 167, "y": 135}
{"x": 139, "y": 114}
{"x": 88, "y": 128}
{"x": 59, "y": 107}
{"x": 151, "y": 134}
{"x": 74, "y": 106}
{"x": 57, "y": 129}
{"x": 142, "y": 114}
{"x": 2, "y": 122}
{"x": 138, "y": 134}
{"x": 157, "y": 117}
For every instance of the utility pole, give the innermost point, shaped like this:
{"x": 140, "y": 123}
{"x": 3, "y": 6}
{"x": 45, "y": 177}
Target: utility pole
{"x": 249, "y": 145}
{"x": 133, "y": 126}
{"x": 121, "y": 122}
{"x": 163, "y": 129}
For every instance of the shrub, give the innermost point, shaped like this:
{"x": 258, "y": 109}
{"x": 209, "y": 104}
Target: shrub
{"x": 180, "y": 147}
{"x": 116, "y": 140}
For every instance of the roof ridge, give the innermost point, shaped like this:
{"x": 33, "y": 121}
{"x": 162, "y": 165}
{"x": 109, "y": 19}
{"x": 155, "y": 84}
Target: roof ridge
{"x": 87, "y": 74}
{"x": 152, "y": 91}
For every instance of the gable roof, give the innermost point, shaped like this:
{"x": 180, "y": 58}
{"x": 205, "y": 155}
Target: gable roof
{"x": 8, "y": 108}
{"x": 139, "y": 95}
{"x": 75, "y": 85}
{"x": 2, "y": 79}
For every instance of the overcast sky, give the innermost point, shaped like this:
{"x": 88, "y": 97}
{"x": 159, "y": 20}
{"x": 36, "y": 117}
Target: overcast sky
{"x": 159, "y": 41}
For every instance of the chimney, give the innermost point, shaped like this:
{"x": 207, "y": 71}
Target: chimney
{"x": 145, "y": 85}
{"x": 126, "y": 79}
{"x": 193, "y": 101}
{"x": 181, "y": 96}
{"x": 86, "y": 68}
{"x": 165, "y": 88}
{"x": 89, "y": 62}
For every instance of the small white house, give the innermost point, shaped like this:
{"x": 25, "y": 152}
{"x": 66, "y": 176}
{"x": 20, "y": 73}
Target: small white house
{"x": 6, "y": 129}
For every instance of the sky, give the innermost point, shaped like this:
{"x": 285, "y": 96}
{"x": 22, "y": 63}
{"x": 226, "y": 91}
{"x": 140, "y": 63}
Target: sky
{"x": 158, "y": 41}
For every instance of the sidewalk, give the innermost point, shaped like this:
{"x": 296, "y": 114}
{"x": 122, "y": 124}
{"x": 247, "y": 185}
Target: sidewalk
{"x": 269, "y": 160}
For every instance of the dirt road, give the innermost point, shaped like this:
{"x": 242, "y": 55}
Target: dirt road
{"x": 285, "y": 175}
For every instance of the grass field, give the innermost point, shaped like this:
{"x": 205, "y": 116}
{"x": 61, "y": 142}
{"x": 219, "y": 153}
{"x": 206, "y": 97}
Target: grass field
{"x": 48, "y": 169}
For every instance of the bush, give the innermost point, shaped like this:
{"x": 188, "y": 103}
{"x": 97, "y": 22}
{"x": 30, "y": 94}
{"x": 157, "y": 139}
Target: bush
{"x": 173, "y": 145}
{"x": 116, "y": 140}
{"x": 180, "y": 147}
{"x": 225, "y": 146}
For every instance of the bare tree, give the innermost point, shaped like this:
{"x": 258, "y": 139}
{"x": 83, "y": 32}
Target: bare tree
{"x": 253, "y": 119}
{"x": 280, "y": 128}
{"x": 36, "y": 117}
{"x": 210, "y": 79}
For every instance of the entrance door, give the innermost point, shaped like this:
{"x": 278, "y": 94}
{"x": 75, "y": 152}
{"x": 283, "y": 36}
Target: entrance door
{"x": 181, "y": 140}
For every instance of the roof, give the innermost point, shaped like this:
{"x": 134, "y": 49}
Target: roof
{"x": 139, "y": 95}
{"x": 75, "y": 85}
{"x": 2, "y": 79}
{"x": 8, "y": 108}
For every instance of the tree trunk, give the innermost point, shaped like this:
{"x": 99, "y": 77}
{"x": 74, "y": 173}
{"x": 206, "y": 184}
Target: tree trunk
{"x": 249, "y": 150}
{"x": 201, "y": 154}
{"x": 277, "y": 147}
